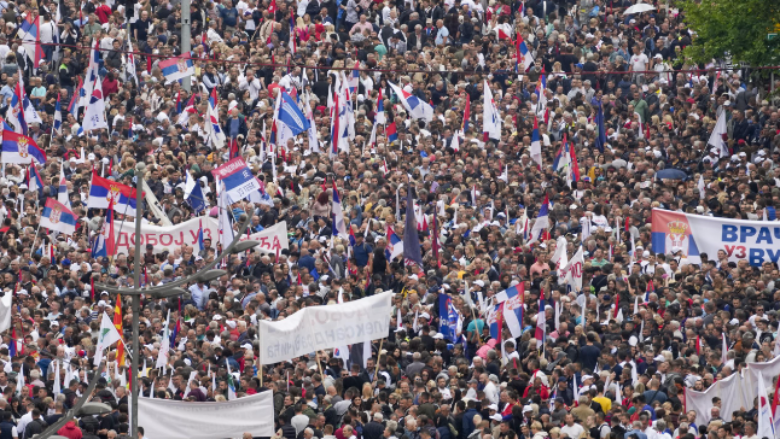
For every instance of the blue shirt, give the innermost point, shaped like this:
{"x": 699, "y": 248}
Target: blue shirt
{"x": 362, "y": 253}
{"x": 441, "y": 35}
{"x": 199, "y": 295}
{"x": 229, "y": 16}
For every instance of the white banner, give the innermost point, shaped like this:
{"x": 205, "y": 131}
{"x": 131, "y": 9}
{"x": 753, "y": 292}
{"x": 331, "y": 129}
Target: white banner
{"x": 325, "y": 327}
{"x": 272, "y": 239}
{"x": 755, "y": 241}
{"x": 6, "y": 308}
{"x": 168, "y": 419}
{"x": 735, "y": 391}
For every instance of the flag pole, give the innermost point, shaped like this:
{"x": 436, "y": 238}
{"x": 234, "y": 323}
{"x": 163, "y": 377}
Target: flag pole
{"x": 376, "y": 364}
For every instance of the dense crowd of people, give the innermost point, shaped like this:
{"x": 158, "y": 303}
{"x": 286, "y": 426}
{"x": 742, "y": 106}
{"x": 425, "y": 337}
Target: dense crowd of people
{"x": 592, "y": 376}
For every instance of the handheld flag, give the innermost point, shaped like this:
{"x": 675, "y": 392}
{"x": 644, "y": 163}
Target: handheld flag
{"x": 177, "y": 68}
{"x": 107, "y": 336}
{"x": 416, "y": 107}
{"x": 21, "y": 150}
{"x": 56, "y": 216}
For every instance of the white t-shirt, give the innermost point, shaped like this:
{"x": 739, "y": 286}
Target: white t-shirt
{"x": 600, "y": 221}
{"x": 639, "y": 62}
{"x": 47, "y": 32}
{"x": 574, "y": 432}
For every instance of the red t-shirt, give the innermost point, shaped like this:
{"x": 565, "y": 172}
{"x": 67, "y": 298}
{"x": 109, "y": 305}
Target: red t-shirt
{"x": 103, "y": 12}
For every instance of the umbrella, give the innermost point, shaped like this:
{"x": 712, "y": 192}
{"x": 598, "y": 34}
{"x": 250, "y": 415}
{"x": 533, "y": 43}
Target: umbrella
{"x": 639, "y": 8}
{"x": 671, "y": 174}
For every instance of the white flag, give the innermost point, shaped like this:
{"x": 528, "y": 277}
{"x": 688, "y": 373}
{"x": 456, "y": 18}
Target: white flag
{"x": 6, "y": 309}
{"x": 766, "y": 426}
{"x": 716, "y": 138}
{"x": 21, "y": 379}
{"x": 57, "y": 387}
{"x": 108, "y": 335}
{"x": 574, "y": 270}
{"x": 165, "y": 345}
{"x": 491, "y": 118}
{"x": 95, "y": 114}
{"x": 701, "y": 186}
{"x": 230, "y": 383}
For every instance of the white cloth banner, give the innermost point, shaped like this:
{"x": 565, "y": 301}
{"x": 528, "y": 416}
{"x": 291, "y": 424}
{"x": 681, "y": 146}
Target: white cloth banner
{"x": 271, "y": 240}
{"x": 734, "y": 391}
{"x": 325, "y": 327}
{"x": 755, "y": 241}
{"x": 164, "y": 418}
{"x": 6, "y": 309}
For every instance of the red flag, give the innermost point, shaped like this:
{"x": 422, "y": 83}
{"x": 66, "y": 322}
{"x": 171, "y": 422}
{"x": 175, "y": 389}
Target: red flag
{"x": 617, "y": 306}
{"x": 627, "y": 224}
{"x": 574, "y": 166}
{"x": 92, "y": 287}
{"x": 698, "y": 348}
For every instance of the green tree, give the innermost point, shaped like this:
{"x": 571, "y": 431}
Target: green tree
{"x": 736, "y": 26}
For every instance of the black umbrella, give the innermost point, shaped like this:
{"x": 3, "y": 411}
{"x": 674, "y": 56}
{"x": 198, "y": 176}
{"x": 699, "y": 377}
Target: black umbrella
{"x": 671, "y": 174}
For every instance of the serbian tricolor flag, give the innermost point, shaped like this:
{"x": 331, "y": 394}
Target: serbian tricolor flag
{"x": 34, "y": 180}
{"x": 380, "y": 109}
{"x": 21, "y": 150}
{"x": 541, "y": 325}
{"x": 30, "y": 31}
{"x": 352, "y": 240}
{"x": 391, "y": 133}
{"x": 650, "y": 289}
{"x": 575, "y": 168}
{"x": 73, "y": 107}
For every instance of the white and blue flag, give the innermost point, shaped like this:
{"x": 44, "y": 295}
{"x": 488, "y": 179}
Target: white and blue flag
{"x": 291, "y": 115}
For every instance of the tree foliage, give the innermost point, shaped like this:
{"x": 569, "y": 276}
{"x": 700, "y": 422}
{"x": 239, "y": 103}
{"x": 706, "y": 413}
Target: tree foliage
{"x": 736, "y": 26}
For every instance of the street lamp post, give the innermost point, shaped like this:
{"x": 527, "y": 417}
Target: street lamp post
{"x": 139, "y": 214}
{"x": 168, "y": 290}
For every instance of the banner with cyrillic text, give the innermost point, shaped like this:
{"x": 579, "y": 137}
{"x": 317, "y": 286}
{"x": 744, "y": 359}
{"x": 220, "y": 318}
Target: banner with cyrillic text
{"x": 754, "y": 241}
{"x": 272, "y": 240}
{"x": 325, "y": 327}
{"x": 165, "y": 418}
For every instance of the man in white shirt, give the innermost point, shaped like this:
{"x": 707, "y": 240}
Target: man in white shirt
{"x": 572, "y": 429}
{"x": 251, "y": 83}
{"x": 639, "y": 63}
{"x": 491, "y": 391}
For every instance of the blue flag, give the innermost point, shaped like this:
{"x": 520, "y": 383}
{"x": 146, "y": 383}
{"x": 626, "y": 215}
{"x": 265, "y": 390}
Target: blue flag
{"x": 195, "y": 198}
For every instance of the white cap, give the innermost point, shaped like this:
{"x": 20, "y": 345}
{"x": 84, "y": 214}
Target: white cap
{"x": 480, "y": 283}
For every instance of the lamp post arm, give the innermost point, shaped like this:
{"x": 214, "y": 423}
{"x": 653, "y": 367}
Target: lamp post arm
{"x": 70, "y": 414}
